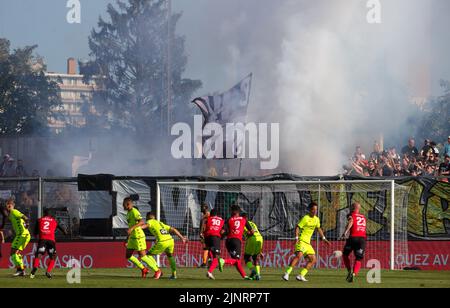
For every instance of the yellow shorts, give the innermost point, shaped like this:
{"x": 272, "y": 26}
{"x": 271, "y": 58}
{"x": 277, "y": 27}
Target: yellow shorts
{"x": 162, "y": 247}
{"x": 253, "y": 246}
{"x": 20, "y": 242}
{"x": 137, "y": 244}
{"x": 305, "y": 248}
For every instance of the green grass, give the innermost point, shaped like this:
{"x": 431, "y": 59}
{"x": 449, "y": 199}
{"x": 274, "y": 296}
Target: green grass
{"x": 195, "y": 278}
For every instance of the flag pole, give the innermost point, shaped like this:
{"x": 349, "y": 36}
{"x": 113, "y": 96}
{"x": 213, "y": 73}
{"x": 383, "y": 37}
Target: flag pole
{"x": 169, "y": 64}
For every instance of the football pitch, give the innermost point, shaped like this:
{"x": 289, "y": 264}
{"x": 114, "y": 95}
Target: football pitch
{"x": 229, "y": 278}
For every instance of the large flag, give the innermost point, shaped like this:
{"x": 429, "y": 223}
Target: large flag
{"x": 227, "y": 107}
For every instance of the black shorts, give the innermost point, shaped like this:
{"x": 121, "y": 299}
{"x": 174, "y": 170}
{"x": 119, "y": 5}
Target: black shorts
{"x": 212, "y": 243}
{"x": 46, "y": 246}
{"x": 357, "y": 245}
{"x": 234, "y": 247}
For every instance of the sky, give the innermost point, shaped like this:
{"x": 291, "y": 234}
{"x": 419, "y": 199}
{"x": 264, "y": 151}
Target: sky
{"x": 204, "y": 23}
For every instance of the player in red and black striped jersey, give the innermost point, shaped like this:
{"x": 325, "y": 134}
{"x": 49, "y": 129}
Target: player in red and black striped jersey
{"x": 234, "y": 230}
{"x": 212, "y": 233}
{"x": 45, "y": 228}
{"x": 355, "y": 232}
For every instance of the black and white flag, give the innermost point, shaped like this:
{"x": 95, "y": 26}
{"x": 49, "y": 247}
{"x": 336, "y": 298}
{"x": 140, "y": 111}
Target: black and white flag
{"x": 229, "y": 107}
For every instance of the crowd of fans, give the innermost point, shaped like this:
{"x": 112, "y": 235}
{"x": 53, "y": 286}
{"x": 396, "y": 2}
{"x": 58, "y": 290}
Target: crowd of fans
{"x": 431, "y": 160}
{"x": 10, "y": 168}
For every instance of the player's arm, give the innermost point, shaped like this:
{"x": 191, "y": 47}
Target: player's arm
{"x": 26, "y": 219}
{"x": 4, "y": 216}
{"x": 202, "y": 228}
{"x": 348, "y": 227}
{"x": 249, "y": 229}
{"x": 299, "y": 227}
{"x": 322, "y": 236}
{"x": 141, "y": 224}
{"x": 297, "y": 232}
{"x": 177, "y": 233}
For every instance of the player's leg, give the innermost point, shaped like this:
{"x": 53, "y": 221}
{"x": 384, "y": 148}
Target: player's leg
{"x": 156, "y": 250}
{"x": 50, "y": 247}
{"x": 234, "y": 249}
{"x": 257, "y": 259}
{"x": 169, "y": 249}
{"x": 132, "y": 246}
{"x": 231, "y": 247}
{"x": 19, "y": 243}
{"x": 213, "y": 243}
{"x": 37, "y": 258}
{"x": 348, "y": 248}
{"x": 206, "y": 254}
{"x": 248, "y": 260}
{"x": 298, "y": 255}
{"x": 311, "y": 257}
{"x": 257, "y": 263}
{"x": 359, "y": 249}
{"x": 249, "y": 251}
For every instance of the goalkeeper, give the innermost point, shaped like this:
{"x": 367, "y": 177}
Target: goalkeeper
{"x": 253, "y": 249}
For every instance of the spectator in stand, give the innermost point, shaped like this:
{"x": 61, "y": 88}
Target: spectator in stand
{"x": 447, "y": 148}
{"x": 372, "y": 169}
{"x": 410, "y": 149}
{"x": 428, "y": 171}
{"x": 426, "y": 148}
{"x": 387, "y": 166}
{"x": 3, "y": 164}
{"x": 435, "y": 149}
{"x": 35, "y": 173}
{"x": 392, "y": 154}
{"x": 358, "y": 154}
{"x": 398, "y": 171}
{"x": 444, "y": 168}
{"x": 20, "y": 169}
{"x": 10, "y": 168}
{"x": 376, "y": 154}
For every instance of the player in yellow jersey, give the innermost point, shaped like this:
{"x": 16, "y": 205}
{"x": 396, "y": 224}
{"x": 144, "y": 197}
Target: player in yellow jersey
{"x": 164, "y": 241}
{"x": 136, "y": 241}
{"x": 303, "y": 233}
{"x": 253, "y": 248}
{"x": 21, "y": 238}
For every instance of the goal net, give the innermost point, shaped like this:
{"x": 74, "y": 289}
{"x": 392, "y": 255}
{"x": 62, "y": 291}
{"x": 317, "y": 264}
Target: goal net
{"x": 276, "y": 207}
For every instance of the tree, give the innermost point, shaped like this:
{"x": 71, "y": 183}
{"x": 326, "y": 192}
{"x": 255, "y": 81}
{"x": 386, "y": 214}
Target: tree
{"x": 130, "y": 59}
{"x": 26, "y": 95}
{"x": 434, "y": 121}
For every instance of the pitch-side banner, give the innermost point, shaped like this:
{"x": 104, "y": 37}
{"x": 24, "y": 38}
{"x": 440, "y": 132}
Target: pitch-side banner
{"x": 427, "y": 255}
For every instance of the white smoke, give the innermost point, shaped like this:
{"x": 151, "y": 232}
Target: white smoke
{"x": 328, "y": 76}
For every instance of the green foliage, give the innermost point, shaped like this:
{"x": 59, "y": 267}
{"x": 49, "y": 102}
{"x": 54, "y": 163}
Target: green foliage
{"x": 26, "y": 95}
{"x": 130, "y": 53}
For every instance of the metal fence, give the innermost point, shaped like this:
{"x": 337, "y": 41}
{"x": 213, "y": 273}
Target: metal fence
{"x": 68, "y": 205}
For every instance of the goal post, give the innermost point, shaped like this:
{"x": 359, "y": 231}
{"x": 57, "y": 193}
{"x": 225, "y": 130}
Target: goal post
{"x": 277, "y": 206}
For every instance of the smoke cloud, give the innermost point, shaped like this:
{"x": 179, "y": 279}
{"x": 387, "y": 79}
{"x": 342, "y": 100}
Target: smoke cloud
{"x": 331, "y": 79}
